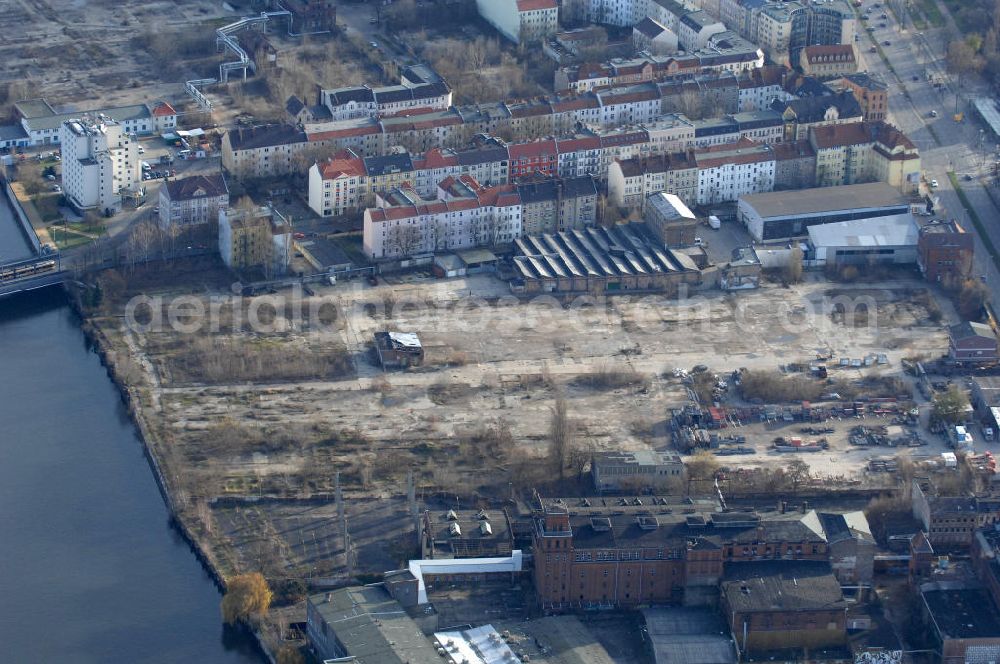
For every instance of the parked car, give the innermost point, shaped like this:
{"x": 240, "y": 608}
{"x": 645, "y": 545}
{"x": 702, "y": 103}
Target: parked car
{"x": 887, "y": 43}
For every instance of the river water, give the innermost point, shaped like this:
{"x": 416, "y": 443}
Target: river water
{"x": 90, "y": 569}
{"x": 13, "y": 244}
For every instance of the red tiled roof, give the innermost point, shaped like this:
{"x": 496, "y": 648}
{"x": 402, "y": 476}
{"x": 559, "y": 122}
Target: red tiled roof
{"x": 337, "y": 167}
{"x": 533, "y": 5}
{"x": 629, "y": 97}
{"x": 533, "y": 149}
{"x": 347, "y": 132}
{"x": 830, "y": 136}
{"x": 565, "y": 145}
{"x": 575, "y": 104}
{"x": 842, "y": 53}
{"x": 163, "y": 108}
{"x": 437, "y": 158}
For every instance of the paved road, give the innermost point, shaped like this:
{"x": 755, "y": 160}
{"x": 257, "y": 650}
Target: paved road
{"x": 944, "y": 144}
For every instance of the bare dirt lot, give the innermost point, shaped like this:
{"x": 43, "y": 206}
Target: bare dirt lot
{"x": 287, "y": 393}
{"x": 109, "y": 53}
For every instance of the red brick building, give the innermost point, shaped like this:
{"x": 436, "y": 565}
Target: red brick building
{"x": 535, "y": 157}
{"x": 872, "y": 95}
{"x": 944, "y": 252}
{"x": 972, "y": 342}
{"x": 592, "y": 557}
{"x": 778, "y": 605}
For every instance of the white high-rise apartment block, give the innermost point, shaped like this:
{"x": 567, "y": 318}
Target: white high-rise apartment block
{"x": 100, "y": 161}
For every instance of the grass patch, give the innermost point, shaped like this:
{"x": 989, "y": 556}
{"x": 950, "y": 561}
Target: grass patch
{"x": 218, "y": 360}
{"x": 64, "y": 240}
{"x": 87, "y": 228}
{"x": 976, "y": 221}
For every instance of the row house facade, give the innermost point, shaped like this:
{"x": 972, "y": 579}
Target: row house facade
{"x": 865, "y": 152}
{"x": 364, "y": 101}
{"x": 725, "y": 51}
{"x": 486, "y": 216}
{"x": 263, "y": 151}
{"x": 759, "y": 88}
{"x": 632, "y": 181}
{"x": 726, "y": 172}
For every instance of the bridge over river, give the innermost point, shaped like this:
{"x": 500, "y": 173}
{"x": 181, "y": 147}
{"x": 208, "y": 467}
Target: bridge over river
{"x": 23, "y": 264}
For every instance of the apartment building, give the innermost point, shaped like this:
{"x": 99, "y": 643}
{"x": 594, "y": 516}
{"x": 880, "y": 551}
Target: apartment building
{"x": 654, "y": 38}
{"x": 694, "y": 30}
{"x": 257, "y": 239}
{"x": 725, "y": 51}
{"x": 871, "y": 94}
{"x": 521, "y": 21}
{"x": 100, "y": 163}
{"x": 632, "y": 181}
{"x": 579, "y": 156}
{"x": 336, "y": 185}
{"x": 263, "y": 151}
{"x": 481, "y": 216}
{"x": 759, "y": 88}
{"x": 671, "y": 133}
{"x": 552, "y": 205}
{"x": 635, "y": 104}
{"x": 778, "y": 26}
{"x": 539, "y": 156}
{"x": 817, "y": 111}
{"x": 794, "y": 165}
{"x": 196, "y": 199}
{"x": 726, "y": 172}
{"x": 362, "y": 135}
{"x": 825, "y": 62}
{"x": 865, "y": 152}
{"x": 367, "y": 102}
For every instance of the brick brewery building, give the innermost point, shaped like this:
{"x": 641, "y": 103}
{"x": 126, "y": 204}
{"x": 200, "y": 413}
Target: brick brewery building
{"x": 612, "y": 556}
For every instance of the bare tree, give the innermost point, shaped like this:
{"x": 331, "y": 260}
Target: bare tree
{"x": 403, "y": 240}
{"x": 560, "y": 436}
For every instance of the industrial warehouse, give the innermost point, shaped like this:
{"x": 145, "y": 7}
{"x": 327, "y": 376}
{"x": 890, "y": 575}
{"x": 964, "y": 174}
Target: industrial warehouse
{"x": 599, "y": 260}
{"x": 783, "y": 215}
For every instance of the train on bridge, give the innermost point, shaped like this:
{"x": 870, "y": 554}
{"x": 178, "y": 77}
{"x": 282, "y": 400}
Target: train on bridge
{"x": 27, "y": 269}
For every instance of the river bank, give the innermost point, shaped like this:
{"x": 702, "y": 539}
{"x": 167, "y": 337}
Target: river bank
{"x": 122, "y": 372}
{"x": 93, "y": 570}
